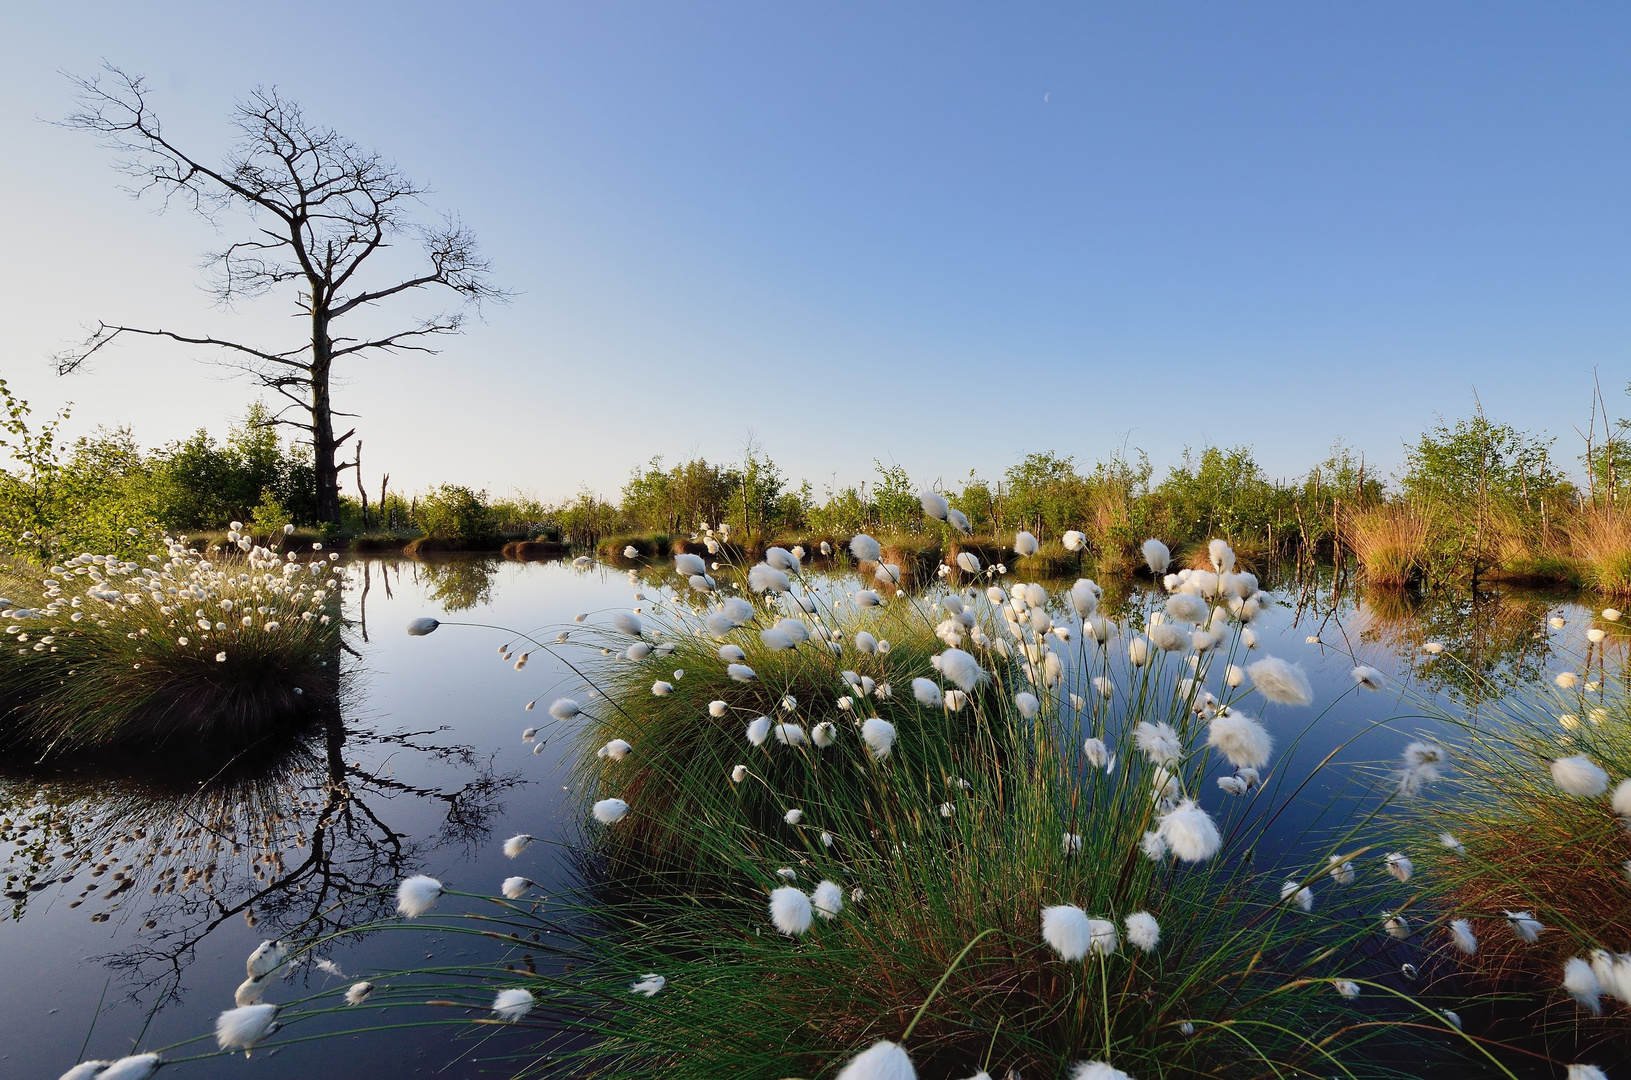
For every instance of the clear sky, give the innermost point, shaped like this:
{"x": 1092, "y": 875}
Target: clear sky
{"x": 942, "y": 235}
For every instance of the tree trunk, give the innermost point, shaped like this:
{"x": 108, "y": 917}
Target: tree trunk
{"x": 322, "y": 421}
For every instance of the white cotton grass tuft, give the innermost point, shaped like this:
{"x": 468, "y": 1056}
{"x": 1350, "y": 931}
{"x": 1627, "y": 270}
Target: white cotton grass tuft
{"x": 515, "y": 887}
{"x": 1280, "y": 682}
{"x": 516, "y": 844}
{"x": 1074, "y": 540}
{"x": 1025, "y": 543}
{"x": 1580, "y": 776}
{"x": 790, "y": 734}
{"x": 1244, "y": 741}
{"x": 717, "y": 708}
{"x": 1153, "y": 845}
{"x": 1346, "y": 987}
{"x": 739, "y": 774}
{"x": 1187, "y": 608}
{"x": 421, "y": 626}
{"x": 934, "y": 504}
{"x": 243, "y": 1027}
{"x": 1581, "y": 983}
{"x": 1450, "y": 843}
{"x": 512, "y": 1004}
{"x": 648, "y": 985}
{"x": 1397, "y": 926}
{"x": 1341, "y": 872}
{"x": 358, "y": 992}
{"x": 1168, "y": 637}
{"x": 1157, "y": 556}
{"x": 776, "y": 640}
{"x": 417, "y": 895}
{"x": 1463, "y": 938}
{"x": 879, "y": 735}
{"x": 782, "y": 559}
{"x": 1580, "y": 1070}
{"x": 1096, "y": 1070}
{"x": 824, "y": 734}
{"x": 827, "y": 899}
{"x": 563, "y": 708}
{"x": 1367, "y": 678}
{"x": 1103, "y": 939}
{"x": 1027, "y": 704}
{"x": 968, "y": 562}
{"x": 1159, "y": 742}
{"x": 250, "y": 992}
{"x": 1526, "y": 926}
{"x": 883, "y": 1060}
{"x": 1070, "y": 844}
{"x": 1423, "y": 762}
{"x": 689, "y": 565}
{"x": 961, "y": 668}
{"x": 758, "y": 731}
{"x": 1300, "y": 894}
{"x": 1399, "y": 865}
{"x": 1138, "y": 651}
{"x": 1067, "y": 930}
{"x": 793, "y": 816}
{"x": 616, "y": 750}
{"x": 610, "y": 811}
{"x": 267, "y": 958}
{"x": 1143, "y": 931}
{"x": 627, "y": 622}
{"x": 741, "y": 673}
{"x": 790, "y": 911}
{"x": 1084, "y": 597}
{"x": 927, "y": 693}
{"x": 763, "y": 577}
{"x": 864, "y": 548}
{"x": 1190, "y": 833}
{"x": 1096, "y": 752}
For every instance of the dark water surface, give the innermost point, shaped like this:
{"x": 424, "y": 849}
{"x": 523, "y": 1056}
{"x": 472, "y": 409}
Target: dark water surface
{"x": 131, "y": 890}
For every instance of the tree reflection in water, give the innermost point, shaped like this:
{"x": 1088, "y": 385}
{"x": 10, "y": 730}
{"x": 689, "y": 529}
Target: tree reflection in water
{"x": 301, "y": 842}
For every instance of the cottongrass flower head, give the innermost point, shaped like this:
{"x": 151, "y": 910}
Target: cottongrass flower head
{"x": 739, "y": 774}
{"x": 1462, "y": 936}
{"x": 250, "y": 992}
{"x": 243, "y": 1027}
{"x": 968, "y": 562}
{"x": 563, "y": 708}
{"x": 1582, "y": 1071}
{"x": 1526, "y": 926}
{"x": 1169, "y": 638}
{"x": 417, "y": 895}
{"x": 1027, "y": 704}
{"x": 1221, "y": 555}
{"x": 1096, "y": 1070}
{"x": 888, "y": 573}
{"x": 827, "y": 899}
{"x": 1104, "y": 940}
{"x": 1143, "y": 931}
{"x": 1159, "y": 742}
{"x": 1067, "y": 930}
{"x": 1280, "y": 682}
{"x": 1138, "y": 651}
{"x": 775, "y": 639}
{"x": 1450, "y": 843}
{"x": 1070, "y": 844}
{"x": 515, "y": 887}
{"x": 793, "y": 816}
{"x": 689, "y": 565}
{"x": 627, "y": 622}
{"x": 1300, "y": 894}
{"x": 883, "y": 1060}
{"x": 1025, "y": 543}
{"x": 1190, "y": 832}
{"x": 516, "y": 844}
{"x": 1581, "y": 983}
{"x": 1096, "y": 752}
{"x": 610, "y": 811}
{"x": 790, "y": 734}
{"x": 1341, "y": 872}
{"x": 865, "y": 643}
{"x": 267, "y": 958}
{"x": 512, "y": 1004}
{"x": 927, "y": 693}
{"x": 934, "y": 504}
{"x": 824, "y": 734}
{"x": 1074, "y": 540}
{"x": 1188, "y": 608}
{"x": 648, "y": 985}
{"x": 358, "y": 992}
{"x": 961, "y": 668}
{"x": 1422, "y": 764}
{"x": 864, "y": 548}
{"x": 782, "y": 559}
{"x": 1157, "y": 556}
{"x": 1367, "y": 678}
{"x": 1153, "y": 845}
{"x": 1346, "y": 987}
{"x": 1244, "y": 741}
{"x": 1579, "y": 775}
{"x": 741, "y": 673}
{"x": 790, "y": 911}
{"x": 758, "y": 731}
{"x": 421, "y": 626}
{"x": 763, "y": 577}
{"x": 879, "y": 735}
{"x": 1567, "y": 680}
{"x": 616, "y": 750}
{"x": 1399, "y": 865}
{"x": 1397, "y": 926}
{"x": 1084, "y": 597}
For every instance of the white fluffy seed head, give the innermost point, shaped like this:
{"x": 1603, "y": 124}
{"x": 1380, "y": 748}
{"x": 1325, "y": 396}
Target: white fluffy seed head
{"x": 883, "y": 1060}
{"x": 1244, "y": 741}
{"x": 1581, "y": 983}
{"x": 1461, "y": 934}
{"x": 1157, "y": 556}
{"x": 1143, "y": 931}
{"x": 759, "y": 730}
{"x": 1280, "y": 682}
{"x": 790, "y": 911}
{"x": 827, "y": 899}
{"x": 610, "y": 811}
{"x": 417, "y": 895}
{"x": 512, "y": 1004}
{"x": 879, "y": 735}
{"x": 1580, "y": 776}
{"x": 243, "y": 1027}
{"x": 1067, "y": 931}
{"x": 1096, "y": 1070}
{"x": 1025, "y": 543}
{"x": 1190, "y": 833}
{"x": 515, "y": 887}
{"x": 864, "y": 548}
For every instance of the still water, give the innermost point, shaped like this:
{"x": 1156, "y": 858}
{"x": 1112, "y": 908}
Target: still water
{"x": 134, "y": 893}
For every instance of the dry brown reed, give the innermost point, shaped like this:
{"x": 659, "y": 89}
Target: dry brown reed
{"x": 1390, "y": 542}
{"x": 1602, "y": 540}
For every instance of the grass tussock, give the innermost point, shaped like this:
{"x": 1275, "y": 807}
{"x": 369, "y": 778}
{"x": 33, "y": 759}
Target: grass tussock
{"x": 192, "y": 649}
{"x": 947, "y": 799}
{"x": 1390, "y": 542}
{"x": 1602, "y": 540}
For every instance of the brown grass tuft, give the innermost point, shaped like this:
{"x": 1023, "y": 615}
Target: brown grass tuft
{"x": 1390, "y": 542}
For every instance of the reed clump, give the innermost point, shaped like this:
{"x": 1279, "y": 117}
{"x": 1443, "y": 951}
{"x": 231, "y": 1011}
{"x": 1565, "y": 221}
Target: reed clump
{"x": 1390, "y": 541}
{"x": 187, "y": 649}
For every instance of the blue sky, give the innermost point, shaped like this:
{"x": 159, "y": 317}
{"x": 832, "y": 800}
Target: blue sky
{"x": 939, "y": 235}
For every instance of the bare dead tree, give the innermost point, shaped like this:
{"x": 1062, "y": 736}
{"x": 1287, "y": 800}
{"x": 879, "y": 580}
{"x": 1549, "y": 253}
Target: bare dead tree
{"x": 320, "y": 207}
